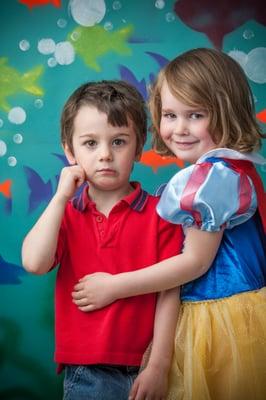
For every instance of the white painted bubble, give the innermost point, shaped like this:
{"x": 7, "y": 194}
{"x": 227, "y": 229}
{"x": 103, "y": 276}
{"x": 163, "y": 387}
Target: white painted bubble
{"x": 18, "y": 138}
{"x": 170, "y": 17}
{"x": 17, "y": 115}
{"x": 61, "y": 23}
{"x": 75, "y": 35}
{"x": 12, "y": 161}
{"x": 239, "y": 56}
{"x": 24, "y": 45}
{"x": 108, "y": 26}
{"x": 46, "y": 46}
{"x": 52, "y": 62}
{"x": 87, "y": 12}
{"x": 256, "y": 65}
{"x": 38, "y": 103}
{"x": 64, "y": 53}
{"x": 160, "y": 4}
{"x": 116, "y": 5}
{"x": 248, "y": 34}
{"x": 3, "y": 148}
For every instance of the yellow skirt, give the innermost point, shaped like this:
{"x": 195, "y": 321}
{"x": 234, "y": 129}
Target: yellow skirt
{"x": 220, "y": 349}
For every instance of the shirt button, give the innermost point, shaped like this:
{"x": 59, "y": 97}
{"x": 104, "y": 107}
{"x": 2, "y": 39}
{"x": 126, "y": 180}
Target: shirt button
{"x": 99, "y": 218}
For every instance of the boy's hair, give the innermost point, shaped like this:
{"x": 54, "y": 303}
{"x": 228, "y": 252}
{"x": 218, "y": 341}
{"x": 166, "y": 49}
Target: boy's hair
{"x": 119, "y": 100}
{"x": 213, "y": 80}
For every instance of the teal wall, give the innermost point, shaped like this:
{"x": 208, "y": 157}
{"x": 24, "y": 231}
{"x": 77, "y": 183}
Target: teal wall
{"x": 129, "y": 40}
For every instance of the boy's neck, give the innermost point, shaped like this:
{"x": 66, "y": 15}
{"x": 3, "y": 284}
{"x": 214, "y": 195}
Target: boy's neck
{"x": 106, "y": 200}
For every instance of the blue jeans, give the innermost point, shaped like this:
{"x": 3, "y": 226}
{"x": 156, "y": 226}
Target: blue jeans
{"x": 98, "y": 382}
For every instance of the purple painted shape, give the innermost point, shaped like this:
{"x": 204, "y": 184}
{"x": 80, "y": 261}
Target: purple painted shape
{"x": 128, "y": 76}
{"x": 216, "y": 19}
{"x": 39, "y": 190}
{"x": 62, "y": 158}
{"x": 10, "y": 273}
{"x": 8, "y": 206}
{"x": 161, "y": 60}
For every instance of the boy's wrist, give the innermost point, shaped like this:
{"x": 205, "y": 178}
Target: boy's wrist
{"x": 60, "y": 199}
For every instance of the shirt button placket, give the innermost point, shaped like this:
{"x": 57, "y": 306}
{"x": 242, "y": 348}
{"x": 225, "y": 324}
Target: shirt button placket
{"x": 99, "y": 220}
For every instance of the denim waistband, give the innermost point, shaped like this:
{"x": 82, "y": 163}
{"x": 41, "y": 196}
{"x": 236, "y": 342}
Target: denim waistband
{"x": 123, "y": 368}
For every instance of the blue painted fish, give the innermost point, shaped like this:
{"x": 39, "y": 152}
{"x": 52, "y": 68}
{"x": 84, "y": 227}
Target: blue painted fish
{"x": 39, "y": 190}
{"x": 10, "y": 273}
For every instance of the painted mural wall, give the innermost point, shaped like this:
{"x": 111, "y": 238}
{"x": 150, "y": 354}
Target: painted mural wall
{"x": 48, "y": 48}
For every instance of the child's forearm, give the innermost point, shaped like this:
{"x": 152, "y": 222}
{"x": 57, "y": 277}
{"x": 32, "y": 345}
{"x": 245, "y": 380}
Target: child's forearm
{"x": 199, "y": 253}
{"x": 39, "y": 246}
{"x": 166, "y": 317}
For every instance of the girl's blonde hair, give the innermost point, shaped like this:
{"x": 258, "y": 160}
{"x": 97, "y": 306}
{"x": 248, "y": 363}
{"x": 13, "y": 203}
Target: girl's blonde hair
{"x": 211, "y": 79}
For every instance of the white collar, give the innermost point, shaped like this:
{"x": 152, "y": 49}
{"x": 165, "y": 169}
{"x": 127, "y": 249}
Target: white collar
{"x": 233, "y": 154}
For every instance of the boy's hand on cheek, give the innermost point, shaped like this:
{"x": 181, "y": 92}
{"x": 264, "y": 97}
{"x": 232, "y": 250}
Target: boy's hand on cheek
{"x": 94, "y": 291}
{"x": 71, "y": 179}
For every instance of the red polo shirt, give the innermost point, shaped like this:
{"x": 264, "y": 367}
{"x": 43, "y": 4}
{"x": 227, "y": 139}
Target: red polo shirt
{"x": 132, "y": 237}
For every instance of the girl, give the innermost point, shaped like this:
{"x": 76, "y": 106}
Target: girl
{"x": 202, "y": 112}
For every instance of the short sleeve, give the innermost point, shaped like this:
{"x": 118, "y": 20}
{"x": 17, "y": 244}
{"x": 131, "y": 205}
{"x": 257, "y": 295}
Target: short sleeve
{"x": 209, "y": 195}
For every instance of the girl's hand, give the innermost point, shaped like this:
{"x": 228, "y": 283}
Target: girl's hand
{"x": 94, "y": 291}
{"x": 71, "y": 178}
{"x": 150, "y": 384}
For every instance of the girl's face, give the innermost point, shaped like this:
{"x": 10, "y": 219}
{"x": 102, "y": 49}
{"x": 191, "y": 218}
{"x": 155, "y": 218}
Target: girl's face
{"x": 184, "y": 129}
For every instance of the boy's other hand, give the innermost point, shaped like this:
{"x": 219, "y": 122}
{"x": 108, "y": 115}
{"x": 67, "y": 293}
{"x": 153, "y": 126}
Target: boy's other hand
{"x": 150, "y": 384}
{"x": 71, "y": 178}
{"x": 94, "y": 291}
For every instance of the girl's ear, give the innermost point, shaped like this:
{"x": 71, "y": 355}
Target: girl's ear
{"x": 138, "y": 156}
{"x": 69, "y": 155}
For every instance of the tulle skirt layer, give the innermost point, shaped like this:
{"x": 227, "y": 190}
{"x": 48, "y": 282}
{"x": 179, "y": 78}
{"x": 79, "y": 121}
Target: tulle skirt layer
{"x": 220, "y": 350}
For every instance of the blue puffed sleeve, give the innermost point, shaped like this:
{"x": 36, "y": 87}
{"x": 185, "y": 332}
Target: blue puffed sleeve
{"x": 209, "y": 195}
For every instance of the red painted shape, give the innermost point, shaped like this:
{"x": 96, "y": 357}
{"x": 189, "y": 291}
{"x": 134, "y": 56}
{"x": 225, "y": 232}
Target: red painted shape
{"x": 39, "y": 3}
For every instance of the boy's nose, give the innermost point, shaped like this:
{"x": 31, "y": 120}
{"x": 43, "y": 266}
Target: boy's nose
{"x": 105, "y": 153}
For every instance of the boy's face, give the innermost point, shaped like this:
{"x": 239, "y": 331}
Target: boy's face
{"x": 105, "y": 152}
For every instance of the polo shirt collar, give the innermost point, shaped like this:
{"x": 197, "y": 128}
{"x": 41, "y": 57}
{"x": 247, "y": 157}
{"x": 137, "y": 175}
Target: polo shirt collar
{"x": 136, "y": 199}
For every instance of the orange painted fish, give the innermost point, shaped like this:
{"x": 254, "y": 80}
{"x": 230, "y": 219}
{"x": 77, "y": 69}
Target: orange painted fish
{"x": 262, "y": 116}
{"x": 5, "y": 188}
{"x": 155, "y": 161}
{"x": 38, "y": 3}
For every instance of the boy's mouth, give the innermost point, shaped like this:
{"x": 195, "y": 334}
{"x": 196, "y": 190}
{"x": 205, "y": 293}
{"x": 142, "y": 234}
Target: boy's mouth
{"x": 106, "y": 171}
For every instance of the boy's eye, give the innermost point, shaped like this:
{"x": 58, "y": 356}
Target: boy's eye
{"x": 90, "y": 143}
{"x": 118, "y": 142}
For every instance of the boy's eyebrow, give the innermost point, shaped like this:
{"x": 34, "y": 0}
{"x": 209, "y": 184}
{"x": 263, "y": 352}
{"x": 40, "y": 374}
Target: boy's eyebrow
{"x": 85, "y": 135}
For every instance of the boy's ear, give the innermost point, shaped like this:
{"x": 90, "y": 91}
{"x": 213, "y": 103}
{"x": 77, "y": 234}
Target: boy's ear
{"x": 69, "y": 155}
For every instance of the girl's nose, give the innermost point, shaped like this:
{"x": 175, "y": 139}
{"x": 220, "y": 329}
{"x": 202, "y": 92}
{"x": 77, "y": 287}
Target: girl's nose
{"x": 181, "y": 127}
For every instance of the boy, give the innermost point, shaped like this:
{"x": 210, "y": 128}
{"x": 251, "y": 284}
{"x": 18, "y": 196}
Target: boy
{"x": 112, "y": 226}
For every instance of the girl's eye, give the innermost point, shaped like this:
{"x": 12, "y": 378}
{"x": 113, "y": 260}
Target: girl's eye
{"x": 118, "y": 142}
{"x": 169, "y": 115}
{"x": 196, "y": 115}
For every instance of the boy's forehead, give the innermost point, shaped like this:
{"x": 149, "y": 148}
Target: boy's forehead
{"x": 92, "y": 120}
